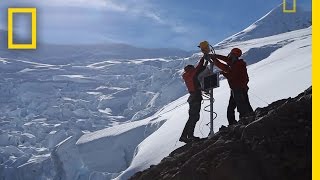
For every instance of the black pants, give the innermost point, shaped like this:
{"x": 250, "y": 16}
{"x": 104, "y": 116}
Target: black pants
{"x": 194, "y": 101}
{"x": 238, "y": 99}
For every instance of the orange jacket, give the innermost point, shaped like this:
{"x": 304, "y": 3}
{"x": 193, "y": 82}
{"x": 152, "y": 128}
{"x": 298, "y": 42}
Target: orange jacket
{"x": 236, "y": 72}
{"x": 191, "y": 77}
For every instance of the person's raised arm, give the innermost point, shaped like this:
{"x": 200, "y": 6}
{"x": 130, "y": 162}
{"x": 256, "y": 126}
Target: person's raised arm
{"x": 223, "y": 58}
{"x": 225, "y": 68}
{"x": 200, "y": 64}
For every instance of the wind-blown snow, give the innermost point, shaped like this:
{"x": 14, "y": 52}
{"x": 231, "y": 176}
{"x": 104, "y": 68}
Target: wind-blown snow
{"x": 273, "y": 23}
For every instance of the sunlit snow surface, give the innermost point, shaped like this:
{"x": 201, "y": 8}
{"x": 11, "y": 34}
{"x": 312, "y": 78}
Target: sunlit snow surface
{"x": 285, "y": 73}
{"x": 274, "y": 22}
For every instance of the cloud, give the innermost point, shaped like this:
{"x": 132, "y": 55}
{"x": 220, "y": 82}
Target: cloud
{"x": 137, "y": 8}
{"x": 173, "y": 25}
{"x": 82, "y": 3}
{"x": 145, "y": 9}
{"x": 125, "y": 20}
{"x": 154, "y": 17}
{"x": 98, "y": 4}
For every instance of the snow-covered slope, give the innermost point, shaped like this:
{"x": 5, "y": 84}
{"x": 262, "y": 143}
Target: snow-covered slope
{"x": 274, "y": 22}
{"x": 285, "y": 73}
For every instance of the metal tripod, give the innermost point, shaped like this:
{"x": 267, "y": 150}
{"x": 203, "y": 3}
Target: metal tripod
{"x": 211, "y": 104}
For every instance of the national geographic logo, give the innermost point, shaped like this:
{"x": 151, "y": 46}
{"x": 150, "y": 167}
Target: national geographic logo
{"x": 294, "y": 6}
{"x": 33, "y": 12}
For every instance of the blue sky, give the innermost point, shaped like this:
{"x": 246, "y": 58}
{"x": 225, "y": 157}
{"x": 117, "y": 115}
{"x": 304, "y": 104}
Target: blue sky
{"x": 143, "y": 23}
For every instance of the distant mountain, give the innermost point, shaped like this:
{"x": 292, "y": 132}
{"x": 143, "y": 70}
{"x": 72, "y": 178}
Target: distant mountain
{"x": 274, "y": 22}
{"x": 63, "y": 54}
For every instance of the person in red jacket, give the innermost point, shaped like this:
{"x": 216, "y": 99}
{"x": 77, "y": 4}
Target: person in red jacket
{"x": 235, "y": 71}
{"x": 190, "y": 77}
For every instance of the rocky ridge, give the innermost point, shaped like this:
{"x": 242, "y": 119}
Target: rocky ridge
{"x": 274, "y": 143}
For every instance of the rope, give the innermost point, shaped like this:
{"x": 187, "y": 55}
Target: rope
{"x": 175, "y": 144}
{"x": 259, "y": 98}
{"x": 145, "y": 129}
{"x": 170, "y": 109}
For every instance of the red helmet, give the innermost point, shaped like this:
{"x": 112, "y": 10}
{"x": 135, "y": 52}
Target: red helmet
{"x": 236, "y": 51}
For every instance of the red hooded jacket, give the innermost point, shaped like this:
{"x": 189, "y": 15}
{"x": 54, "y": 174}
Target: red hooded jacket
{"x": 191, "y": 77}
{"x": 235, "y": 72}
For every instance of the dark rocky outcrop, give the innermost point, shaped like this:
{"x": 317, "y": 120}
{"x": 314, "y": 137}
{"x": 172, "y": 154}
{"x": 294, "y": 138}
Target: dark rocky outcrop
{"x": 274, "y": 143}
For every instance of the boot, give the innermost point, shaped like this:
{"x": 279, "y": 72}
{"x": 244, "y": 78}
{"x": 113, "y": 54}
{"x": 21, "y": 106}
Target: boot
{"x": 184, "y": 139}
{"x": 232, "y": 122}
{"x": 193, "y": 138}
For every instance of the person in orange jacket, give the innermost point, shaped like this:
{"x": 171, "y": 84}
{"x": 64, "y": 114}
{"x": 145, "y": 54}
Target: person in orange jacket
{"x": 235, "y": 71}
{"x": 190, "y": 77}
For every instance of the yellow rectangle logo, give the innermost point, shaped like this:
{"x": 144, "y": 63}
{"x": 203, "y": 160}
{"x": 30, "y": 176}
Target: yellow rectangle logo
{"x": 294, "y": 8}
{"x": 33, "y": 44}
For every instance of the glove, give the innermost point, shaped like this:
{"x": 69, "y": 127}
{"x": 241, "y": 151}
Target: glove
{"x": 207, "y": 57}
{"x": 212, "y": 56}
